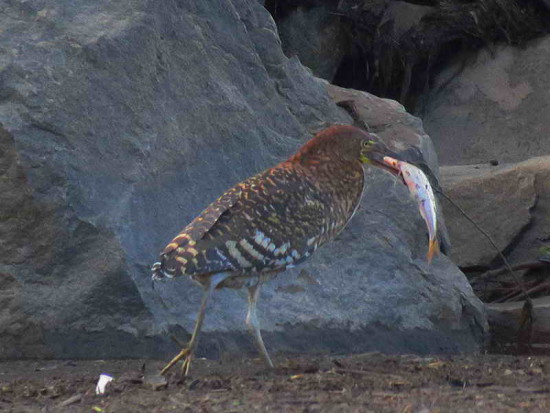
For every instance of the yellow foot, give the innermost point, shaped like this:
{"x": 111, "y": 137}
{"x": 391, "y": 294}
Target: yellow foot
{"x": 186, "y": 364}
{"x": 183, "y": 354}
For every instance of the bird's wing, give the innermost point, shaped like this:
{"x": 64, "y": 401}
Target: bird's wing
{"x": 200, "y": 226}
{"x": 261, "y": 224}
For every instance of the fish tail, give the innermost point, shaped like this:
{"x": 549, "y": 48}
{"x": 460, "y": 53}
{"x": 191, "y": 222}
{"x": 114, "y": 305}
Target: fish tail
{"x": 433, "y": 249}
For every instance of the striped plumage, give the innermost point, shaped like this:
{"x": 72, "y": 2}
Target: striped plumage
{"x": 268, "y": 222}
{"x": 275, "y": 219}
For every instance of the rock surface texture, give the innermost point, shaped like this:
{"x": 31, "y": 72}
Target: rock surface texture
{"x": 510, "y": 202}
{"x": 494, "y": 108}
{"x": 317, "y": 37}
{"x": 119, "y": 122}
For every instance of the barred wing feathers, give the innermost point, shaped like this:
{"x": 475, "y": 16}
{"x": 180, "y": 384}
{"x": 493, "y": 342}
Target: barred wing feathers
{"x": 268, "y": 222}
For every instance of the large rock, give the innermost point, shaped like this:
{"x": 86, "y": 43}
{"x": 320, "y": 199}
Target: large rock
{"x": 318, "y": 37}
{"x": 492, "y": 109}
{"x": 510, "y": 202}
{"x": 119, "y": 122}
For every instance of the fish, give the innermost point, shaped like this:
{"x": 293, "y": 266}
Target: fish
{"x": 422, "y": 192}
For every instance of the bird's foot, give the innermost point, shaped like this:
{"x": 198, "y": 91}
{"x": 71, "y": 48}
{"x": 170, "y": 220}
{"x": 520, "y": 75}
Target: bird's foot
{"x": 185, "y": 354}
{"x": 186, "y": 365}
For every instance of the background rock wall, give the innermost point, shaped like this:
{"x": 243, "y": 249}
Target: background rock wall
{"x": 490, "y": 120}
{"x": 494, "y": 108}
{"x": 118, "y": 124}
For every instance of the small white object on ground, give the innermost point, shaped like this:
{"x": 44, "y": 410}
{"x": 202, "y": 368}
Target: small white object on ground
{"x": 104, "y": 379}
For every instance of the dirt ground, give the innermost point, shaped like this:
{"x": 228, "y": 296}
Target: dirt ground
{"x": 358, "y": 383}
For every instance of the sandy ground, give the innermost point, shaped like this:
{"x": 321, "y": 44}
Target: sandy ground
{"x": 358, "y": 383}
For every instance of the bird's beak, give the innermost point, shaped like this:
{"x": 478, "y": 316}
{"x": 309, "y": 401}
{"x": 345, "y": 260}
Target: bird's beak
{"x": 377, "y": 156}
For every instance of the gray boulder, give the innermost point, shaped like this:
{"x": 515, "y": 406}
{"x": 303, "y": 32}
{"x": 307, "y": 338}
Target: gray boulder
{"x": 119, "y": 122}
{"x": 510, "y": 202}
{"x": 494, "y": 108}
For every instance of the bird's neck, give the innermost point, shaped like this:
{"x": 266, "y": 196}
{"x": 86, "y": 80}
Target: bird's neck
{"x": 339, "y": 179}
{"x": 327, "y": 169}
{"x": 322, "y": 162}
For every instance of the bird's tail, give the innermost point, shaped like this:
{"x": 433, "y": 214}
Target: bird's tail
{"x": 159, "y": 270}
{"x": 156, "y": 271}
{"x": 433, "y": 249}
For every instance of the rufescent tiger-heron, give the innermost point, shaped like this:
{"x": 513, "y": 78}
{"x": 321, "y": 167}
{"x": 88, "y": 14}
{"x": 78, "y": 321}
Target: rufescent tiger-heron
{"x": 272, "y": 221}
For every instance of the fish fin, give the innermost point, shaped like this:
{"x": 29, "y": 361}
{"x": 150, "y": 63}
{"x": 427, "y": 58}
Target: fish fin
{"x": 433, "y": 249}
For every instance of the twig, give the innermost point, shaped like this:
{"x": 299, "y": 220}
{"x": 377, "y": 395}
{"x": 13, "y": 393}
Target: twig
{"x": 77, "y": 398}
{"x": 533, "y": 290}
{"x": 516, "y": 292}
{"x": 535, "y": 265}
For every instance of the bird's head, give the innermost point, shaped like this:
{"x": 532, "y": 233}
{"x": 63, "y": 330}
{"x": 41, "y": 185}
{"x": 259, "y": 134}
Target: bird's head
{"x": 372, "y": 152}
{"x": 349, "y": 144}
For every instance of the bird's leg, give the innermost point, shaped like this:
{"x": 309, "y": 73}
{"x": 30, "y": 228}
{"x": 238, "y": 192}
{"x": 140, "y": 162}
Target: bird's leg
{"x": 187, "y": 353}
{"x": 253, "y": 324}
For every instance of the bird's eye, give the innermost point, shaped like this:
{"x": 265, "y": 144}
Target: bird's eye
{"x": 368, "y": 143}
